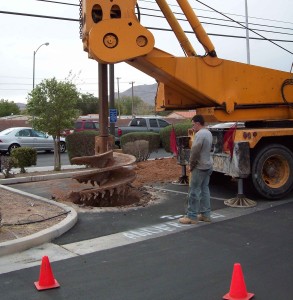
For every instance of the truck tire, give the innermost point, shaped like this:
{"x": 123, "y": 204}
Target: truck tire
{"x": 272, "y": 171}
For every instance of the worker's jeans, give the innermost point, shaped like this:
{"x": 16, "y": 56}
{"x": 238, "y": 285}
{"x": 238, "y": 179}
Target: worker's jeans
{"x": 199, "y": 194}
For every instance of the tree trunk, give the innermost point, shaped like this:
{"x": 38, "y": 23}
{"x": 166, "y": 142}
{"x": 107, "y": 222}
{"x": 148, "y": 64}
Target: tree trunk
{"x": 57, "y": 160}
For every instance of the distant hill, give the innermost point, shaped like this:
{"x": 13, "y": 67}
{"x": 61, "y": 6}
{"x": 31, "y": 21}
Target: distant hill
{"x": 147, "y": 92}
{"x": 21, "y": 106}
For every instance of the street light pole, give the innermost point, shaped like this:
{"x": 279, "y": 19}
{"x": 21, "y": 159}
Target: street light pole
{"x": 34, "y": 62}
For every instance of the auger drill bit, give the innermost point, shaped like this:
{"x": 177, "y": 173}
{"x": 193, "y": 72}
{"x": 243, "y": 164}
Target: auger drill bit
{"x": 110, "y": 176}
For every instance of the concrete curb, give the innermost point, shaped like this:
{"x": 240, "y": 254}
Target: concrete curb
{"x": 35, "y": 178}
{"x": 40, "y": 237}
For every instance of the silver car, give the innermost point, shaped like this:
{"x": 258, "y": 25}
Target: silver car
{"x": 16, "y": 137}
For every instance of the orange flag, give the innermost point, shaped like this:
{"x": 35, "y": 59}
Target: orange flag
{"x": 173, "y": 144}
{"x": 229, "y": 137}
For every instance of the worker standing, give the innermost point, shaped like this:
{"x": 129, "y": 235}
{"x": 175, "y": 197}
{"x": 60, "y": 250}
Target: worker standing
{"x": 201, "y": 168}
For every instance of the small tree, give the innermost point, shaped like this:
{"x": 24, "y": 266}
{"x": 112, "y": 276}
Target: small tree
{"x": 88, "y": 104}
{"x": 8, "y": 108}
{"x": 6, "y": 165}
{"x": 127, "y": 103}
{"x": 52, "y": 107}
{"x": 24, "y": 157}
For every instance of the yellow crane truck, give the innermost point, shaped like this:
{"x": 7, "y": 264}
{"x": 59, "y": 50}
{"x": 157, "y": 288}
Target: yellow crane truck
{"x": 260, "y": 99}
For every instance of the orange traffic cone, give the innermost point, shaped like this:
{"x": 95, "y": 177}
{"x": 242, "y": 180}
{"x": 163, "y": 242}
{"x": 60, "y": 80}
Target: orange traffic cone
{"x": 46, "y": 279}
{"x": 238, "y": 288}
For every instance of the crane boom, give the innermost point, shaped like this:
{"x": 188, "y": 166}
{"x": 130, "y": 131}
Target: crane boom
{"x": 221, "y": 89}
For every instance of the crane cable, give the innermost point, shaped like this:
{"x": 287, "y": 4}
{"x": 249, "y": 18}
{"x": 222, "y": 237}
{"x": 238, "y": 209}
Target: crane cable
{"x": 245, "y": 27}
{"x": 285, "y": 83}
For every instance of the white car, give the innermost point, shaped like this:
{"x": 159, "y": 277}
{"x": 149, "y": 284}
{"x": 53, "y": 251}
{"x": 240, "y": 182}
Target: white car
{"x": 16, "y": 137}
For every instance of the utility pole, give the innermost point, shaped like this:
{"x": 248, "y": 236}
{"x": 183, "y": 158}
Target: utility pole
{"x": 247, "y": 33}
{"x": 118, "y": 94}
{"x": 132, "y": 82}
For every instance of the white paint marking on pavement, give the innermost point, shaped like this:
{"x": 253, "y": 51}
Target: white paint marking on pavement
{"x": 123, "y": 238}
{"x": 179, "y": 192}
{"x": 153, "y": 230}
{"x": 216, "y": 215}
{"x": 170, "y": 217}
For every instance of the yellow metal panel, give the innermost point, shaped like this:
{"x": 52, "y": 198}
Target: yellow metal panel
{"x": 275, "y": 112}
{"x": 253, "y": 136}
{"x": 109, "y": 44}
{"x": 194, "y": 82}
{"x": 112, "y": 32}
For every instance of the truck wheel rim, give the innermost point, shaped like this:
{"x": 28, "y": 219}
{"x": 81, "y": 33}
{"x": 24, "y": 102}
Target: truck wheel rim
{"x": 275, "y": 171}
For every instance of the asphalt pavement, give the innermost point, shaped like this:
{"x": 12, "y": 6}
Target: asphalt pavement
{"x": 195, "y": 263}
{"x": 144, "y": 253}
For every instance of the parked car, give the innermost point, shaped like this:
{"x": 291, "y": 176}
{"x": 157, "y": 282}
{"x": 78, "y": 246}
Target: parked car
{"x": 81, "y": 125}
{"x": 16, "y": 137}
{"x": 142, "y": 124}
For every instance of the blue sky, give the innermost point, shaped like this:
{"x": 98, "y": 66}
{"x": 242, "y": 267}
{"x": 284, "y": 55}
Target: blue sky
{"x": 21, "y": 36}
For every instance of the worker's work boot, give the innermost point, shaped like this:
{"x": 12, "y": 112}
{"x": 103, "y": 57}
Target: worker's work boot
{"x": 204, "y": 219}
{"x": 186, "y": 220}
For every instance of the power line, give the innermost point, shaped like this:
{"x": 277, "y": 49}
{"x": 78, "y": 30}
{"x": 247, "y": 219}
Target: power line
{"x": 57, "y": 2}
{"x": 271, "y": 41}
{"x": 224, "y": 35}
{"x": 37, "y": 16}
{"x": 225, "y": 25}
{"x": 154, "y": 28}
{"x": 211, "y": 10}
{"x": 237, "y": 15}
{"x": 157, "y": 10}
{"x": 213, "y": 18}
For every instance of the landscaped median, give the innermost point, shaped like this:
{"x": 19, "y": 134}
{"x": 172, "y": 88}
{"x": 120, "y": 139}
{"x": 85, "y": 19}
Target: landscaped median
{"x": 22, "y": 243}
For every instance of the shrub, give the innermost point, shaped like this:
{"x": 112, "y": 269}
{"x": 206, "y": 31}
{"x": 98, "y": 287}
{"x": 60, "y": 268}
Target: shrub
{"x": 181, "y": 129}
{"x": 81, "y": 143}
{"x": 25, "y": 157}
{"x": 152, "y": 137}
{"x": 6, "y": 164}
{"x": 139, "y": 149}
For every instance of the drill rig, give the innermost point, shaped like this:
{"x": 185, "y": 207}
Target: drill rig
{"x": 261, "y": 99}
